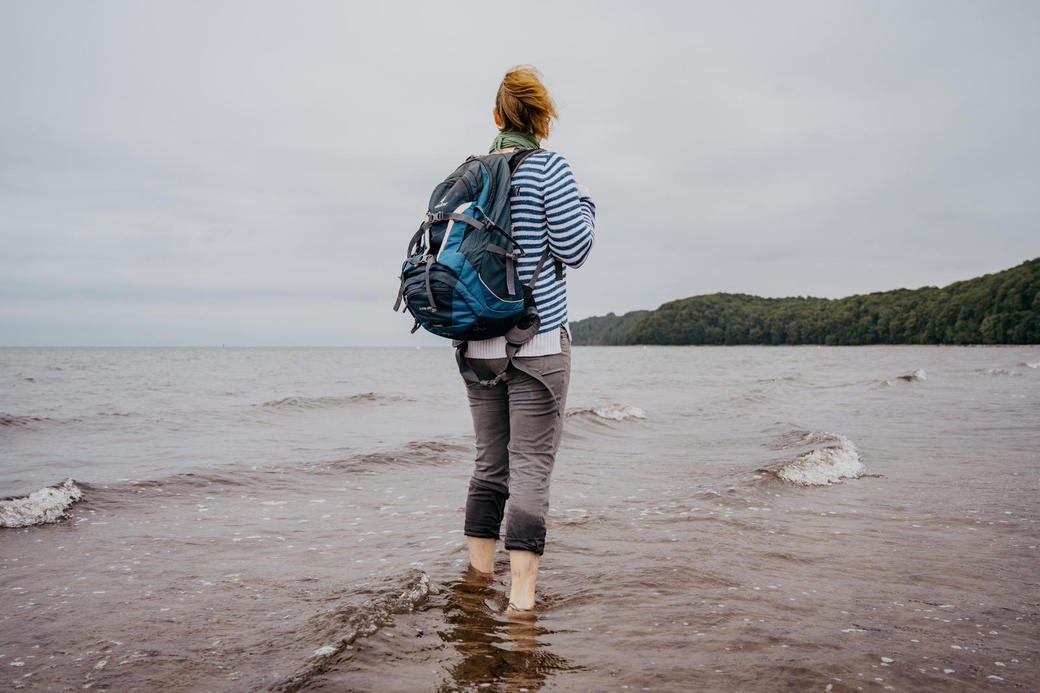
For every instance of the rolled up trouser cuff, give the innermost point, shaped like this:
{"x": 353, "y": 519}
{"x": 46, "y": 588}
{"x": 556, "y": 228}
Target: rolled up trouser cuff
{"x": 533, "y": 545}
{"x": 485, "y": 506}
{"x": 525, "y": 530}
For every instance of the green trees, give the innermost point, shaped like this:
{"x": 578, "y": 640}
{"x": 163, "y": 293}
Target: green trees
{"x": 1001, "y": 308}
{"x": 606, "y": 330}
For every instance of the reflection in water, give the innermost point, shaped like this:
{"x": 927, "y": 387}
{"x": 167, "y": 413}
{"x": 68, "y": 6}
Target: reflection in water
{"x": 498, "y": 649}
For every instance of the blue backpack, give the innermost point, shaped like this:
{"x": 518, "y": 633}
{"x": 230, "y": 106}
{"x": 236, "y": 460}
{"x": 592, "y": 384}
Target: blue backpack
{"x": 460, "y": 277}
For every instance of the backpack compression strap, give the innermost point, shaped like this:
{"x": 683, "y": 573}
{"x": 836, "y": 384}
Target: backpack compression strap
{"x": 413, "y": 248}
{"x": 470, "y": 376}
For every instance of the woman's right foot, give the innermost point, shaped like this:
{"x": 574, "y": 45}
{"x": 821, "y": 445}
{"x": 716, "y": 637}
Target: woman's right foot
{"x": 515, "y": 612}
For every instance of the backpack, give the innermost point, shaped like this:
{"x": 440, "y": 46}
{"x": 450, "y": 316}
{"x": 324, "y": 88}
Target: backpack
{"x": 460, "y": 277}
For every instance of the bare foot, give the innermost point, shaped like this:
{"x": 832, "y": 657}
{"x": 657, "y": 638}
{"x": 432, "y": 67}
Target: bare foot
{"x": 515, "y": 612}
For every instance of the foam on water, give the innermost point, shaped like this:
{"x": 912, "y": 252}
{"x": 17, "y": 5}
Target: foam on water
{"x": 46, "y": 505}
{"x": 833, "y": 458}
{"x": 611, "y": 412}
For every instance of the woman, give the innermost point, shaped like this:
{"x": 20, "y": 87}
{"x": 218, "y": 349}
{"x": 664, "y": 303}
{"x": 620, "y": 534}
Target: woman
{"x": 518, "y": 422}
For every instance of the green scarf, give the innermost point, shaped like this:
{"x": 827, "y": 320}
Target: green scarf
{"x": 512, "y": 138}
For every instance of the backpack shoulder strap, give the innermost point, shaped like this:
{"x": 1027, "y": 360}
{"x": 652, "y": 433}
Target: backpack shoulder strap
{"x": 518, "y": 158}
{"x": 515, "y": 160}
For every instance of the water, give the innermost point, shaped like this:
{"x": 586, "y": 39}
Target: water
{"x": 722, "y": 519}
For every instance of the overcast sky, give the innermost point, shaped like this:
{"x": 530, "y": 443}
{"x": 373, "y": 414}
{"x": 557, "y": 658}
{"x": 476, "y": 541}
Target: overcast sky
{"x": 249, "y": 173}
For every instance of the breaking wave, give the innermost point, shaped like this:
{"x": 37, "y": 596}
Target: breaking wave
{"x": 611, "y": 412}
{"x": 336, "y": 401}
{"x": 1030, "y": 364}
{"x": 49, "y": 504}
{"x": 826, "y": 458}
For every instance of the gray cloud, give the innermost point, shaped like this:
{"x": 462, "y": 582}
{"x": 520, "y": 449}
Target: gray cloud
{"x": 248, "y": 173}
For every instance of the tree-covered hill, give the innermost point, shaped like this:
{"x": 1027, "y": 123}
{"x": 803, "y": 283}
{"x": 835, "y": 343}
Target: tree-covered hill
{"x": 606, "y": 330}
{"x": 1000, "y": 308}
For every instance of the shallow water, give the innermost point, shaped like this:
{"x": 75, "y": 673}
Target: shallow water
{"x": 722, "y": 518}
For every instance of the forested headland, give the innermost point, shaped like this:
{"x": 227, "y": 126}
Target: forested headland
{"x": 1000, "y": 308}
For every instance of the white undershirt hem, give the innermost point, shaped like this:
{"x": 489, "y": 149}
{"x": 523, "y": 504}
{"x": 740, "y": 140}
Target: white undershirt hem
{"x": 543, "y": 344}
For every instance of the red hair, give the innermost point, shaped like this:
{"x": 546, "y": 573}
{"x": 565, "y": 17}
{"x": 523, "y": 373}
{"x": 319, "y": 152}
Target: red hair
{"x": 523, "y": 103}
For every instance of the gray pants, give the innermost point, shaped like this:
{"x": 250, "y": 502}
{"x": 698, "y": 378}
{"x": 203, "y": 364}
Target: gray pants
{"x": 518, "y": 424}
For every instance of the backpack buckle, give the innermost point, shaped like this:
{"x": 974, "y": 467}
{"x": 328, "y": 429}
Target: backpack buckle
{"x": 481, "y": 215}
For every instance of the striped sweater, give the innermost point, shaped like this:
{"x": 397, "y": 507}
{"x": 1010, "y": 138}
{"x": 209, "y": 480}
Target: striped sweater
{"x": 547, "y": 206}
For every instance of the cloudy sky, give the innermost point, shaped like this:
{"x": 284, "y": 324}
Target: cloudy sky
{"x": 249, "y": 173}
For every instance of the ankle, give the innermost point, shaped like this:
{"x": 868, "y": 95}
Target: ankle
{"x": 481, "y": 554}
{"x": 476, "y": 573}
{"x": 521, "y": 602}
{"x": 514, "y": 610}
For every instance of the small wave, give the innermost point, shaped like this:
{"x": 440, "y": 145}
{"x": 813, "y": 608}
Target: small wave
{"x": 779, "y": 379}
{"x": 281, "y": 476}
{"x": 612, "y": 412}
{"x": 13, "y": 421}
{"x": 31, "y": 423}
{"x": 46, "y": 505}
{"x": 752, "y": 396}
{"x": 830, "y": 457}
{"x": 360, "y": 624}
{"x": 995, "y": 371}
{"x": 334, "y": 401}
{"x": 914, "y": 376}
{"x": 417, "y": 452}
{"x": 578, "y": 516}
{"x": 1030, "y": 364}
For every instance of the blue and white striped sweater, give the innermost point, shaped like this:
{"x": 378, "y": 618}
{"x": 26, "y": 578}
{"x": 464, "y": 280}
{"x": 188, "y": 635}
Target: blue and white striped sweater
{"x": 548, "y": 206}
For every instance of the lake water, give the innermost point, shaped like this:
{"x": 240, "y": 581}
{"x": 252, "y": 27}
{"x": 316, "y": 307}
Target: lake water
{"x": 722, "y": 518}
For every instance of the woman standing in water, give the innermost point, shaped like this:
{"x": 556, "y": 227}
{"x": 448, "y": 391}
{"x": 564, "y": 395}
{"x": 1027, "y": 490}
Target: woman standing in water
{"x": 518, "y": 422}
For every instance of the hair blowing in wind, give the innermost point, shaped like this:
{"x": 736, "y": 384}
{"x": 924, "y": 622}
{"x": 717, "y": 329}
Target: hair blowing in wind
{"x": 523, "y": 103}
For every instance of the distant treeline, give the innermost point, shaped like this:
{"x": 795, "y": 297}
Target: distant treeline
{"x": 1001, "y": 308}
